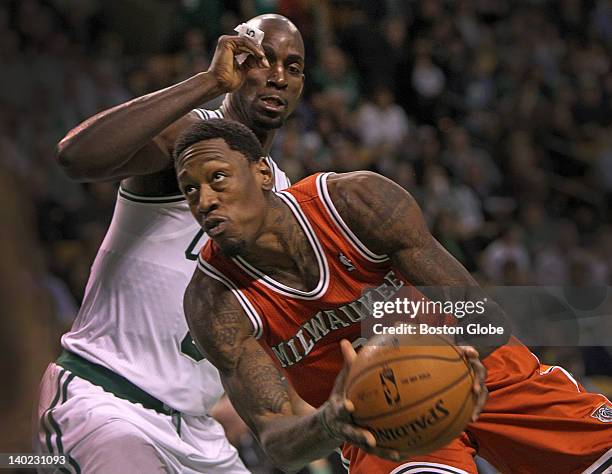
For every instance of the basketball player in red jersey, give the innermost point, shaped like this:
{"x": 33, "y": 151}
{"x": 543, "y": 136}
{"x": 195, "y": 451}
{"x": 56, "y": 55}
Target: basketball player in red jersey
{"x": 279, "y": 291}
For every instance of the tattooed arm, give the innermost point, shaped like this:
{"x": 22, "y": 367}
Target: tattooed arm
{"x": 387, "y": 219}
{"x": 291, "y": 433}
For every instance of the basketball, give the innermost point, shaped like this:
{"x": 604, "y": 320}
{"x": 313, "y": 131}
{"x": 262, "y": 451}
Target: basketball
{"x": 414, "y": 393}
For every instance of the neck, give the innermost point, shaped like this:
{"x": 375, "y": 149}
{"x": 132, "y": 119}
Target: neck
{"x": 233, "y": 111}
{"x": 282, "y": 250}
{"x": 277, "y": 245}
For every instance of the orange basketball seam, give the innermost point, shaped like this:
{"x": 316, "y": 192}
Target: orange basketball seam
{"x": 418, "y": 402}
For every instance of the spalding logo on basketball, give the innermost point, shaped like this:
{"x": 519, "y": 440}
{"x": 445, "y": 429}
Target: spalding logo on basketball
{"x": 413, "y": 393}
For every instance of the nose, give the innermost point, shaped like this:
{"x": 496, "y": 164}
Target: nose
{"x": 208, "y": 200}
{"x": 278, "y": 76}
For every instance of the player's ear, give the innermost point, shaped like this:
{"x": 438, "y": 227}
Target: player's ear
{"x": 264, "y": 174}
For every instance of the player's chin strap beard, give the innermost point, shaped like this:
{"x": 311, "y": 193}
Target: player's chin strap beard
{"x": 232, "y": 250}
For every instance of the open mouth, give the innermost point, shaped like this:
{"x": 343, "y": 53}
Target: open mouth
{"x": 273, "y": 103}
{"x": 214, "y": 226}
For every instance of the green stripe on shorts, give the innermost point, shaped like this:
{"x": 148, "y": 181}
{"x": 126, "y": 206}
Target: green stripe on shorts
{"x": 62, "y": 389}
{"x": 45, "y": 415}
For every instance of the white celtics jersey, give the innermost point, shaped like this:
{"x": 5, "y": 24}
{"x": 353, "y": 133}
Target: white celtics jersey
{"x": 132, "y": 319}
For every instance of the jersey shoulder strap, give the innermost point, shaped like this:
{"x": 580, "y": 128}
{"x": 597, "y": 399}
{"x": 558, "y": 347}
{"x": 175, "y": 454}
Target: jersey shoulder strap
{"x": 306, "y": 189}
{"x": 313, "y": 196}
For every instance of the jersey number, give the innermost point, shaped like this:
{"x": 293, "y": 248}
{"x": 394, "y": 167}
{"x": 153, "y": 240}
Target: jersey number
{"x": 189, "y": 255}
{"x": 188, "y": 346}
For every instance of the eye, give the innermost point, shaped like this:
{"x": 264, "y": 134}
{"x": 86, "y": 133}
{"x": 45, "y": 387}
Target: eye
{"x": 295, "y": 69}
{"x": 190, "y": 190}
{"x": 218, "y": 177}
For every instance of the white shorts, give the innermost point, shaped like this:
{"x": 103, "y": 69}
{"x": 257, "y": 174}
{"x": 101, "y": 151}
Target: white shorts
{"x": 102, "y": 433}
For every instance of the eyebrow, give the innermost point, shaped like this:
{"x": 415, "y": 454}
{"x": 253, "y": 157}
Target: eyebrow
{"x": 291, "y": 58}
{"x": 295, "y": 58}
{"x": 215, "y": 157}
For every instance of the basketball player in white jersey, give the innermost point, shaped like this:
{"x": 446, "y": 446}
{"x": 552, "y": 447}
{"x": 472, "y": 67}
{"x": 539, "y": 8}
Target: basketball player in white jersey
{"x": 130, "y": 391}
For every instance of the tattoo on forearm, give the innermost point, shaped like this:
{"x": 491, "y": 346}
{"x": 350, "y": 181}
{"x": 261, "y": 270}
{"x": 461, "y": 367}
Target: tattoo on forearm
{"x": 226, "y": 335}
{"x": 268, "y": 388}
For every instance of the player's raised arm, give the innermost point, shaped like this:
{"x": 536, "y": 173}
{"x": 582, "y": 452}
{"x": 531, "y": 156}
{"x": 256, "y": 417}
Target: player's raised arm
{"x": 387, "y": 219}
{"x": 290, "y": 437}
{"x": 135, "y": 138}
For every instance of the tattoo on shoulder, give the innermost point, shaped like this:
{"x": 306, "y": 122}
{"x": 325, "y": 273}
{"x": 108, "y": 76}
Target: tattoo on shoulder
{"x": 220, "y": 327}
{"x": 375, "y": 208}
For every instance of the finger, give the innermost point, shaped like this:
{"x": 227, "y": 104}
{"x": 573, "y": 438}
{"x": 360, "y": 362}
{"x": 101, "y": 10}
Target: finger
{"x": 473, "y": 360}
{"x": 480, "y": 371}
{"x": 243, "y": 49}
{"x": 389, "y": 454}
{"x": 249, "y": 63}
{"x": 365, "y": 440}
{"x": 480, "y": 390}
{"x": 252, "y": 62}
{"x": 356, "y": 435}
{"x": 469, "y": 351}
{"x": 244, "y": 44}
{"x": 340, "y": 383}
{"x": 341, "y": 409}
{"x": 348, "y": 351}
{"x": 347, "y": 409}
{"x": 480, "y": 403}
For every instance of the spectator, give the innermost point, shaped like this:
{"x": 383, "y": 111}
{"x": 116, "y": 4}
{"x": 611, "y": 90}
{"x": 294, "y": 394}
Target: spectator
{"x": 440, "y": 194}
{"x": 335, "y": 77}
{"x": 381, "y": 122}
{"x": 506, "y": 256}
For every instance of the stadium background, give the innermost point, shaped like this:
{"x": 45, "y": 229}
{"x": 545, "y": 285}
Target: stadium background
{"x": 496, "y": 115}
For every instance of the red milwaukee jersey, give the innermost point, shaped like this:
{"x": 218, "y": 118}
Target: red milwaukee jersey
{"x": 532, "y": 409}
{"x": 301, "y": 329}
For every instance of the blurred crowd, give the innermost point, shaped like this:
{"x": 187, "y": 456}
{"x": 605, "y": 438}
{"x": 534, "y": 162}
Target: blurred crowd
{"x": 495, "y": 114}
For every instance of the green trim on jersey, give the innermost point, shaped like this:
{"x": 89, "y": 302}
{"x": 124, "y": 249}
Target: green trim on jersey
{"x": 150, "y": 199}
{"x": 189, "y": 348}
{"x": 111, "y": 382}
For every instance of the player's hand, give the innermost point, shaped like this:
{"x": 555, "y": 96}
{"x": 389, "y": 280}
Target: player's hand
{"x": 479, "y": 389}
{"x": 336, "y": 413}
{"x": 225, "y": 68}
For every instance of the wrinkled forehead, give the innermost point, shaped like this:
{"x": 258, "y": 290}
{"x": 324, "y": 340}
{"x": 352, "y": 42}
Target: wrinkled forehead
{"x": 278, "y": 32}
{"x": 213, "y": 149}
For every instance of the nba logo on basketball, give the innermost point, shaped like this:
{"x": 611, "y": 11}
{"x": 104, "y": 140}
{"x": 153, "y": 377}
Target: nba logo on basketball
{"x": 387, "y": 379}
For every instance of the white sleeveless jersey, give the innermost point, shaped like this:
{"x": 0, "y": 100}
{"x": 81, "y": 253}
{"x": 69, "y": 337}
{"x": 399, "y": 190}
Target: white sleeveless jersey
{"x": 132, "y": 319}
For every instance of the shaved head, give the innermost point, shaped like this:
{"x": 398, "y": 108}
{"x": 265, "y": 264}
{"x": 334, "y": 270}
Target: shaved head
{"x": 270, "y": 21}
{"x": 269, "y": 95}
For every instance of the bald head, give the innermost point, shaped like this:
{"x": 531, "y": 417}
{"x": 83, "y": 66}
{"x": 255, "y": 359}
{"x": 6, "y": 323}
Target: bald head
{"x": 272, "y": 22}
{"x": 269, "y": 95}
